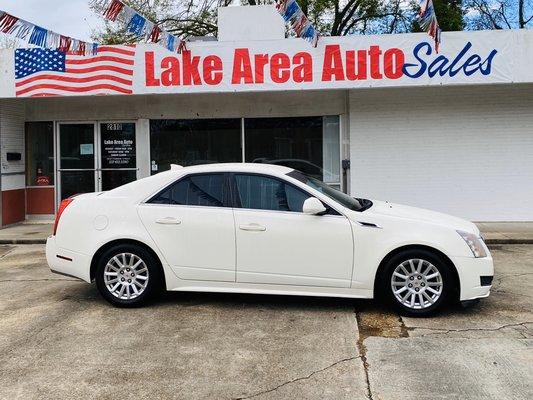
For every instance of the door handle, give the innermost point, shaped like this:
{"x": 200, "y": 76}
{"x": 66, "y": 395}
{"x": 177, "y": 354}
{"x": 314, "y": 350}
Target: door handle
{"x": 168, "y": 221}
{"x": 253, "y": 228}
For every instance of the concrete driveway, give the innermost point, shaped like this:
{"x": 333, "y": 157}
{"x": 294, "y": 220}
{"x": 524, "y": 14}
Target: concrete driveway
{"x": 59, "y": 339}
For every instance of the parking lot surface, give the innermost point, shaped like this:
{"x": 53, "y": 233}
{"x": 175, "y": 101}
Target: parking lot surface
{"x": 59, "y": 339}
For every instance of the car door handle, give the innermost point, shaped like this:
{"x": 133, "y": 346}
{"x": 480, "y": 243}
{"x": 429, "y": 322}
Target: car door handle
{"x": 253, "y": 228}
{"x": 168, "y": 221}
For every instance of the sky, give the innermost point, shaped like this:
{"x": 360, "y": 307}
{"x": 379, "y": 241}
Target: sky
{"x": 68, "y": 17}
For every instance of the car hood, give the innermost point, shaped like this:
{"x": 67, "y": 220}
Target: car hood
{"x": 419, "y": 214}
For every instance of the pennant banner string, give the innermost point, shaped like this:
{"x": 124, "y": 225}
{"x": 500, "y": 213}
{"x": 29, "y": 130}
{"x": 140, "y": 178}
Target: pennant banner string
{"x": 139, "y": 25}
{"x": 298, "y": 21}
{"x": 427, "y": 20}
{"x": 38, "y": 36}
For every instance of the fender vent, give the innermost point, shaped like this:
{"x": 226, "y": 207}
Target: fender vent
{"x": 368, "y": 224}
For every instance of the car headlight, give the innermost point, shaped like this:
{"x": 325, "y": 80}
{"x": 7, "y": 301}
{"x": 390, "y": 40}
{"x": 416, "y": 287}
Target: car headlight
{"x": 475, "y": 243}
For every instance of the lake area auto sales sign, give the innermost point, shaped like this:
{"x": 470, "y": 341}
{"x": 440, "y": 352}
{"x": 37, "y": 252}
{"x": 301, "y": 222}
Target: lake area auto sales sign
{"x": 290, "y": 64}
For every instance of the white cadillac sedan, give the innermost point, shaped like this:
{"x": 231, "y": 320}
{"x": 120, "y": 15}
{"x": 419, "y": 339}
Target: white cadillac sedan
{"x": 258, "y": 228}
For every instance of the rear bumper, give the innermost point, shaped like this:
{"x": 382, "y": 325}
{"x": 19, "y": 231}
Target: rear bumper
{"x": 470, "y": 271}
{"x": 67, "y": 262}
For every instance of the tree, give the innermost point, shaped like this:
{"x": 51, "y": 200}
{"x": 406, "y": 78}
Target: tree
{"x": 331, "y": 17}
{"x": 499, "y": 14}
{"x": 183, "y": 18}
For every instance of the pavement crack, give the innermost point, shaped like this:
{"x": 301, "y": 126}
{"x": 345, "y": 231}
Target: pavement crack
{"x": 501, "y": 277}
{"x": 7, "y": 252}
{"x": 362, "y": 351}
{"x": 301, "y": 378}
{"x": 441, "y": 331}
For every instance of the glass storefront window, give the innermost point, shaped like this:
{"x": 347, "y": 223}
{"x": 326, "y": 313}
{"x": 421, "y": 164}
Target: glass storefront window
{"x": 331, "y": 148}
{"x": 76, "y": 182}
{"x": 190, "y": 142}
{"x": 39, "y": 154}
{"x": 308, "y": 144}
{"x": 117, "y": 177}
{"x": 118, "y": 154}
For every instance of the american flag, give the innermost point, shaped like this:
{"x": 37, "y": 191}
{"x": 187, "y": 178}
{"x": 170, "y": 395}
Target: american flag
{"x": 42, "y": 72}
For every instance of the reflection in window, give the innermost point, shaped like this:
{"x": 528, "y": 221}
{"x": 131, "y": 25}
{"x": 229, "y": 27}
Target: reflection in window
{"x": 197, "y": 190}
{"x": 263, "y": 193}
{"x": 308, "y": 144}
{"x": 39, "y": 154}
{"x": 76, "y": 182}
{"x": 191, "y": 142}
{"x": 112, "y": 179}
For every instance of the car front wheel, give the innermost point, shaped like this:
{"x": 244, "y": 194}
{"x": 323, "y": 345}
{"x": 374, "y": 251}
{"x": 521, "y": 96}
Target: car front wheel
{"x": 417, "y": 282}
{"x": 127, "y": 275}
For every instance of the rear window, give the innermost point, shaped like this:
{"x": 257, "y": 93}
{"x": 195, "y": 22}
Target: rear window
{"x": 207, "y": 190}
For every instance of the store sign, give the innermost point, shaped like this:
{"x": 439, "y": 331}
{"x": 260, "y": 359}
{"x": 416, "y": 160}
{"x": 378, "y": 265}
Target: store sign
{"x": 118, "y": 146}
{"x": 291, "y": 64}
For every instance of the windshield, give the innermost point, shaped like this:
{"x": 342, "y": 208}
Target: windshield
{"x": 334, "y": 194}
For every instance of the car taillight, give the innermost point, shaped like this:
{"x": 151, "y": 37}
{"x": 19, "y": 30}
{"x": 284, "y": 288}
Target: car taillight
{"x": 64, "y": 204}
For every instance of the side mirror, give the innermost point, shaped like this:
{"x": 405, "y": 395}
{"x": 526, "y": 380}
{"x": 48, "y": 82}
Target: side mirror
{"x": 313, "y": 206}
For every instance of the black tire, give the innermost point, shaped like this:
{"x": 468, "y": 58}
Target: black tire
{"x": 153, "y": 274}
{"x": 446, "y": 278}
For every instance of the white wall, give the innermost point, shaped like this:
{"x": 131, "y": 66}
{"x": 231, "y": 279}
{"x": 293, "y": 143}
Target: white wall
{"x": 232, "y": 105}
{"x": 262, "y": 22}
{"x": 463, "y": 151}
{"x": 12, "y": 119}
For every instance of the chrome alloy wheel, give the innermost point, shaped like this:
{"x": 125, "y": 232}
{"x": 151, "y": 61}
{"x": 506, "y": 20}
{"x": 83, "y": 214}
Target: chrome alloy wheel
{"x": 126, "y": 276}
{"x": 416, "y": 283}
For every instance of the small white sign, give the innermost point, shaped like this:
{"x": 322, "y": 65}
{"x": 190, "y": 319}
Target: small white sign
{"x": 86, "y": 148}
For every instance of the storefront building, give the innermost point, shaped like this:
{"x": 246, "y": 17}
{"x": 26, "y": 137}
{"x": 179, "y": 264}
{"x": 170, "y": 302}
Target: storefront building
{"x": 376, "y": 116}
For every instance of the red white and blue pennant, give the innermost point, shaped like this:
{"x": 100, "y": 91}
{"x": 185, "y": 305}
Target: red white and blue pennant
{"x": 41, "y": 37}
{"x": 140, "y": 26}
{"x": 427, "y": 20}
{"x": 298, "y": 21}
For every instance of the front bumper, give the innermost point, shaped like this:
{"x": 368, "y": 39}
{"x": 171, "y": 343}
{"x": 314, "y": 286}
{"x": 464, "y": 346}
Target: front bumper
{"x": 470, "y": 271}
{"x": 67, "y": 262}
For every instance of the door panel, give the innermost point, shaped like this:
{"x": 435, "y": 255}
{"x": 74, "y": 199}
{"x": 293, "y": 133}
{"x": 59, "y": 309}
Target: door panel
{"x": 291, "y": 248}
{"x": 77, "y": 165}
{"x": 194, "y": 228}
{"x": 197, "y": 242}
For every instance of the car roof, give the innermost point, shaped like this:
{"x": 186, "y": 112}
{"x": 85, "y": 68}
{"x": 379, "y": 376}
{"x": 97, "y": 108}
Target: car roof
{"x": 140, "y": 189}
{"x": 234, "y": 167}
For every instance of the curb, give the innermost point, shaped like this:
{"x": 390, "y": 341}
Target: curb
{"x": 508, "y": 241}
{"x": 22, "y": 241}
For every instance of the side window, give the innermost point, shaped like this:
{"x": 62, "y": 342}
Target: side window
{"x": 195, "y": 190}
{"x": 264, "y": 193}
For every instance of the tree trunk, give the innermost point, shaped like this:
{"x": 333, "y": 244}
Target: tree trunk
{"x": 521, "y": 20}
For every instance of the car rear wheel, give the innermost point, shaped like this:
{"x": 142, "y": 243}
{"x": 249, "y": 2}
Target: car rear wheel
{"x": 127, "y": 275}
{"x": 417, "y": 282}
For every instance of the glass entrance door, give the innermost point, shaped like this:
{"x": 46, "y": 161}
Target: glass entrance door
{"x": 95, "y": 156}
{"x": 77, "y": 160}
